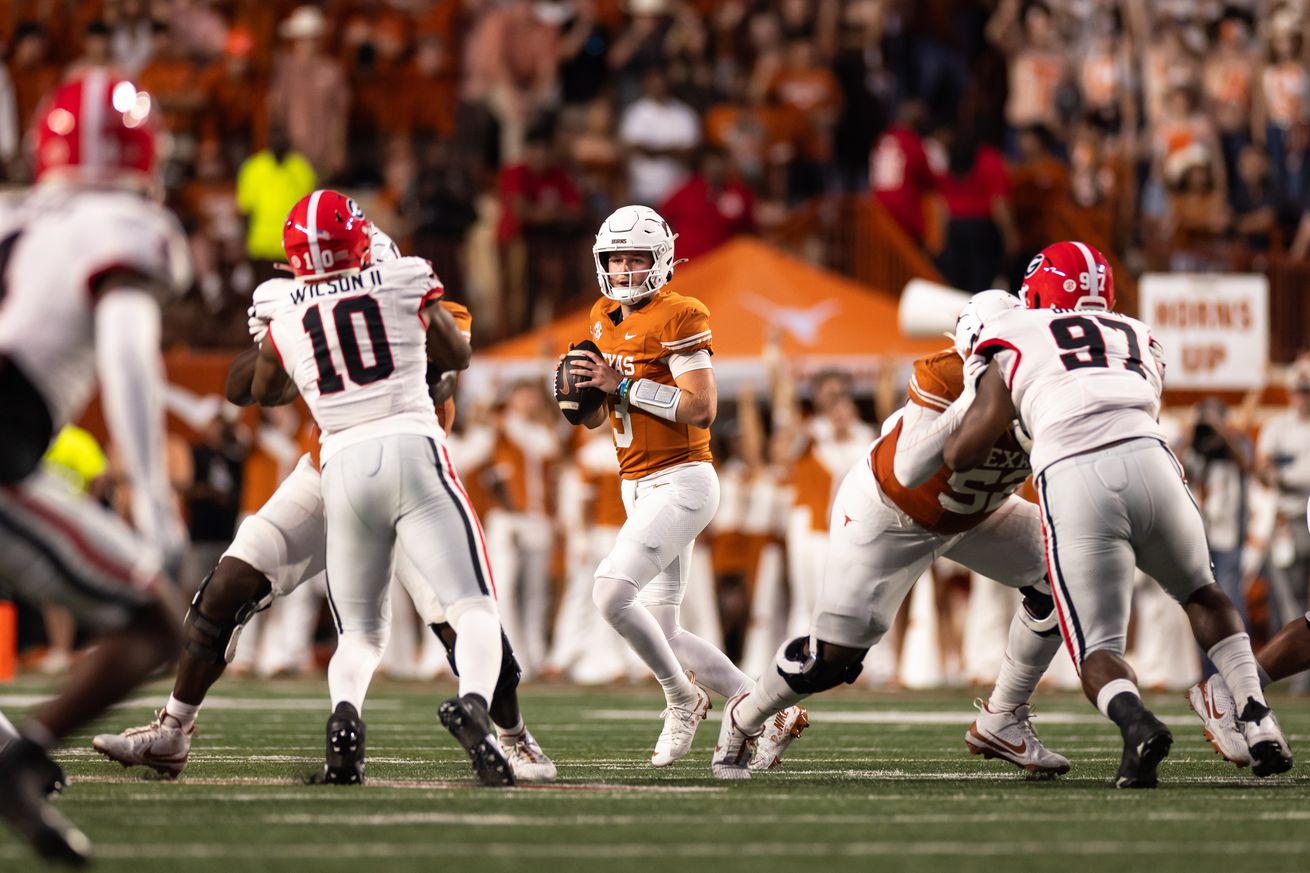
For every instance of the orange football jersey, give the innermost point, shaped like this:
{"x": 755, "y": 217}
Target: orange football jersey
{"x": 949, "y": 503}
{"x": 638, "y": 347}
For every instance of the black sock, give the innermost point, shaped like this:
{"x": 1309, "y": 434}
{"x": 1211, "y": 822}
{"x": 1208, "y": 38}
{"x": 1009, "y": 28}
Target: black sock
{"x": 1126, "y": 709}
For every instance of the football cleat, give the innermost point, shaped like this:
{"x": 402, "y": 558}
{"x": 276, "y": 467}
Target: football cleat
{"x": 1146, "y": 744}
{"x": 680, "y": 723}
{"x": 25, "y": 774}
{"x": 526, "y": 759}
{"x": 157, "y": 745}
{"x": 1270, "y": 754}
{"x": 466, "y": 719}
{"x": 1009, "y": 736}
{"x": 735, "y": 747}
{"x": 1213, "y": 702}
{"x": 779, "y": 732}
{"x": 344, "y": 763}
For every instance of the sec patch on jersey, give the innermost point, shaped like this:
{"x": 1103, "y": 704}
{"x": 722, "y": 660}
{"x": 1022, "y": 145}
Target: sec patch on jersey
{"x": 576, "y": 403}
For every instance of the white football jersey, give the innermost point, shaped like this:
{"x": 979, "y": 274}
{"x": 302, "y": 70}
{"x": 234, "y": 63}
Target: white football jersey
{"x": 55, "y": 243}
{"x": 357, "y": 350}
{"x": 1079, "y": 379}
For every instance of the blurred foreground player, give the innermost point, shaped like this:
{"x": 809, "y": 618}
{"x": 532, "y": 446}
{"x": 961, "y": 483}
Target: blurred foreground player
{"x": 86, "y": 257}
{"x": 896, "y": 512}
{"x": 1085, "y": 383}
{"x": 275, "y": 551}
{"x": 660, "y": 399}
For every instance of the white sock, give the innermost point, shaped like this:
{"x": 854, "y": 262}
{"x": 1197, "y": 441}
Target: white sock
{"x": 770, "y": 694}
{"x": 518, "y": 729}
{"x": 183, "y": 714}
{"x": 352, "y": 666}
{"x": 1112, "y": 689}
{"x": 477, "y": 645}
{"x": 712, "y": 667}
{"x": 617, "y": 601}
{"x": 1027, "y": 657}
{"x": 1233, "y": 658}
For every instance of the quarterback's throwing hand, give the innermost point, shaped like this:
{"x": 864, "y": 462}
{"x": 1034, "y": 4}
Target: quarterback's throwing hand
{"x": 598, "y": 373}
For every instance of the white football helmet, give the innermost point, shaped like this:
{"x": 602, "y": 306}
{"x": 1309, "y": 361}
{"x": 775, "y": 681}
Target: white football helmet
{"x": 977, "y": 310}
{"x": 634, "y": 228}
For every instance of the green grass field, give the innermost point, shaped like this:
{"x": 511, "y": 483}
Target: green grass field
{"x": 879, "y": 782}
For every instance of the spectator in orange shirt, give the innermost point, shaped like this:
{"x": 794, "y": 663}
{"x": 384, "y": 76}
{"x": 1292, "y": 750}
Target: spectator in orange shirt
{"x": 171, "y": 80}
{"x": 431, "y": 92}
{"x": 711, "y": 207}
{"x": 231, "y": 117}
{"x": 811, "y": 90}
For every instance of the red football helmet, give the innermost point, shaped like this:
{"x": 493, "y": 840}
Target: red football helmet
{"x": 97, "y": 129}
{"x": 326, "y": 235}
{"x": 1068, "y": 275}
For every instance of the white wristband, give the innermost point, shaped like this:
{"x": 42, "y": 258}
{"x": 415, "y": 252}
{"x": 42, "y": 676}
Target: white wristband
{"x": 655, "y": 398}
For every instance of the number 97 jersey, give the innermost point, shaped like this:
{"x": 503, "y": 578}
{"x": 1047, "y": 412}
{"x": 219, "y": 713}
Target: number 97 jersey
{"x": 1079, "y": 379}
{"x": 357, "y": 350}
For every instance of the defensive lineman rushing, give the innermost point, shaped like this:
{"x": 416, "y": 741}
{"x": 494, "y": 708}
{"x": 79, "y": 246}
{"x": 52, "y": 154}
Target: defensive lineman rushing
{"x": 661, "y": 400}
{"x": 274, "y": 552}
{"x": 895, "y": 513}
{"x": 85, "y": 259}
{"x": 354, "y": 340}
{"x": 1111, "y": 493}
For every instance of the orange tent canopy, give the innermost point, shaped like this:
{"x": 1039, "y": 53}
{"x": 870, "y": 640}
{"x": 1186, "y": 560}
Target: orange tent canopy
{"x": 753, "y": 291}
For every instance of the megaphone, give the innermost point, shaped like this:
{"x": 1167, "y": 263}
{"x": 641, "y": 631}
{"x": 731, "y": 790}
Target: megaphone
{"x": 928, "y": 309}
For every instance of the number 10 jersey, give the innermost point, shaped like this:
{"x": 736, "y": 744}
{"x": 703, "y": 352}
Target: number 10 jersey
{"x": 357, "y": 350}
{"x": 1080, "y": 379}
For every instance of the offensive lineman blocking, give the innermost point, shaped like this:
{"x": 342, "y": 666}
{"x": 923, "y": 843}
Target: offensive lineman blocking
{"x": 894, "y": 514}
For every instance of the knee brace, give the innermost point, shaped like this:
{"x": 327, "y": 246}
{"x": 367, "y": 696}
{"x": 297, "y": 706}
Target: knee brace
{"x": 812, "y": 674}
{"x": 1038, "y": 613}
{"x": 214, "y": 640}
{"x": 510, "y": 670}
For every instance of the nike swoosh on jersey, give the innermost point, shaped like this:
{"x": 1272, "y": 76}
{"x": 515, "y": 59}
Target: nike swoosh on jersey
{"x": 628, "y": 336}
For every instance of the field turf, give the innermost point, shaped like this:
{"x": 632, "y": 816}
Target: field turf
{"x": 879, "y": 782}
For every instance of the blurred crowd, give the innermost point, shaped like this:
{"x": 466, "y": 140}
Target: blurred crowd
{"x": 491, "y": 135}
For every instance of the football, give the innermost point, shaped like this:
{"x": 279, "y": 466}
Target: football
{"x": 576, "y": 403}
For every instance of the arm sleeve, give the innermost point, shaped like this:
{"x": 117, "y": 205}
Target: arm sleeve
{"x": 923, "y": 437}
{"x": 132, "y": 392}
{"x": 685, "y": 363}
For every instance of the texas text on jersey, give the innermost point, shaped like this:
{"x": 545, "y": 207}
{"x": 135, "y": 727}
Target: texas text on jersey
{"x": 358, "y": 353}
{"x": 639, "y": 347}
{"x": 948, "y": 502}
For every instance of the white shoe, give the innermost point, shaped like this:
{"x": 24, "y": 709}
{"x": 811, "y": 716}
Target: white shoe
{"x": 1213, "y": 702}
{"x": 1270, "y": 753}
{"x": 526, "y": 758}
{"x": 680, "y": 725}
{"x": 779, "y": 732}
{"x": 1010, "y": 737}
{"x": 157, "y": 745}
{"x": 732, "y": 752}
